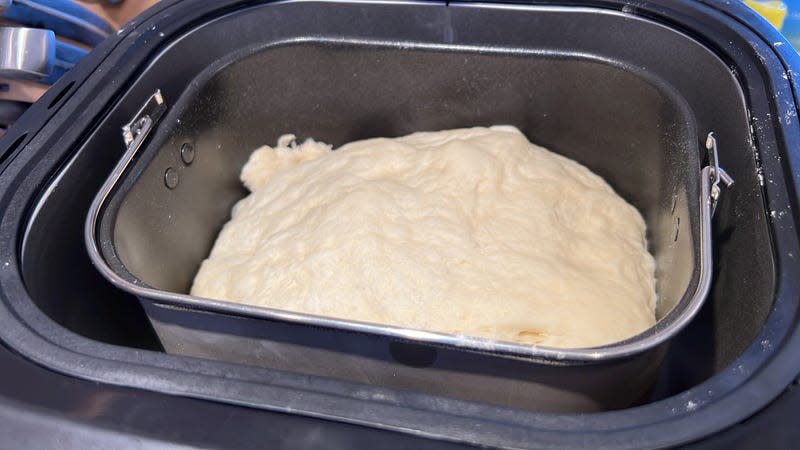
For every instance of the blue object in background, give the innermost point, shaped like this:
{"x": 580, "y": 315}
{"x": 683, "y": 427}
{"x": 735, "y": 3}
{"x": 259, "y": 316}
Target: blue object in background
{"x": 65, "y": 17}
{"x": 791, "y": 26}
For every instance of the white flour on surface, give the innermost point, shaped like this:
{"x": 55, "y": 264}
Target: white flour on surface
{"x": 470, "y": 231}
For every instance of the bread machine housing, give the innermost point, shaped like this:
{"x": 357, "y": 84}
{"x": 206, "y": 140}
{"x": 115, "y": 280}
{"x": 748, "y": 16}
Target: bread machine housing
{"x": 705, "y": 70}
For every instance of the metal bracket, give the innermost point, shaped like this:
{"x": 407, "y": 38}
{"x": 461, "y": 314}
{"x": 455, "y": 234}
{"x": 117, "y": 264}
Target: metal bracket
{"x": 716, "y": 172}
{"x": 135, "y": 131}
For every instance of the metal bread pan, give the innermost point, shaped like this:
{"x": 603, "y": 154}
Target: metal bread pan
{"x": 589, "y": 97}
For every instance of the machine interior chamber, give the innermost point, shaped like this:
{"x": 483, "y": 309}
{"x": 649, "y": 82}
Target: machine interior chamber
{"x": 628, "y": 111}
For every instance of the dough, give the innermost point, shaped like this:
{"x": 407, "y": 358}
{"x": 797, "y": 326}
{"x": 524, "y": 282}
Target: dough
{"x": 472, "y": 231}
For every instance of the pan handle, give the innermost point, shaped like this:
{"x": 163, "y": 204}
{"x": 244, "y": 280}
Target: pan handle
{"x": 715, "y": 173}
{"x": 134, "y": 134}
{"x": 136, "y": 131}
{"x": 710, "y": 178}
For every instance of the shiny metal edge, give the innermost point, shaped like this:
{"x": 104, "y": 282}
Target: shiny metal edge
{"x": 26, "y": 53}
{"x": 629, "y": 347}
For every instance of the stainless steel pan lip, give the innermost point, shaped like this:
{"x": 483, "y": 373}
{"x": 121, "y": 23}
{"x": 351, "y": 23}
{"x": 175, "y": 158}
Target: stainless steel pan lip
{"x": 666, "y": 328}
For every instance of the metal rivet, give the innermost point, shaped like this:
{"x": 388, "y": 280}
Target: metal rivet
{"x": 171, "y": 178}
{"x": 187, "y": 153}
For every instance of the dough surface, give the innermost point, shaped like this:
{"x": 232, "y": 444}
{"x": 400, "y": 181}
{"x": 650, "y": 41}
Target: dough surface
{"x": 473, "y": 232}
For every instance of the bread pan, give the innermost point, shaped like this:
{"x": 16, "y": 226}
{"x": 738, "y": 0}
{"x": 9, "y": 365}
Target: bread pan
{"x": 595, "y": 101}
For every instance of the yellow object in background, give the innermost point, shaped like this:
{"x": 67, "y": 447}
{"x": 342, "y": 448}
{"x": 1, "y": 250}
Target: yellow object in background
{"x": 772, "y": 10}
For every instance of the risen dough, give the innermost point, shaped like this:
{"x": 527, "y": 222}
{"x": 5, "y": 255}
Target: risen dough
{"x": 471, "y": 231}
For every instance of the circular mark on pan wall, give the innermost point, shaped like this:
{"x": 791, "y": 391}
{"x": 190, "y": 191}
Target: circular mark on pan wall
{"x": 187, "y": 153}
{"x": 171, "y": 178}
{"x": 413, "y": 355}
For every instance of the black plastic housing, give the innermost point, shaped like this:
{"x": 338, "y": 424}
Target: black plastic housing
{"x": 733, "y": 360}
